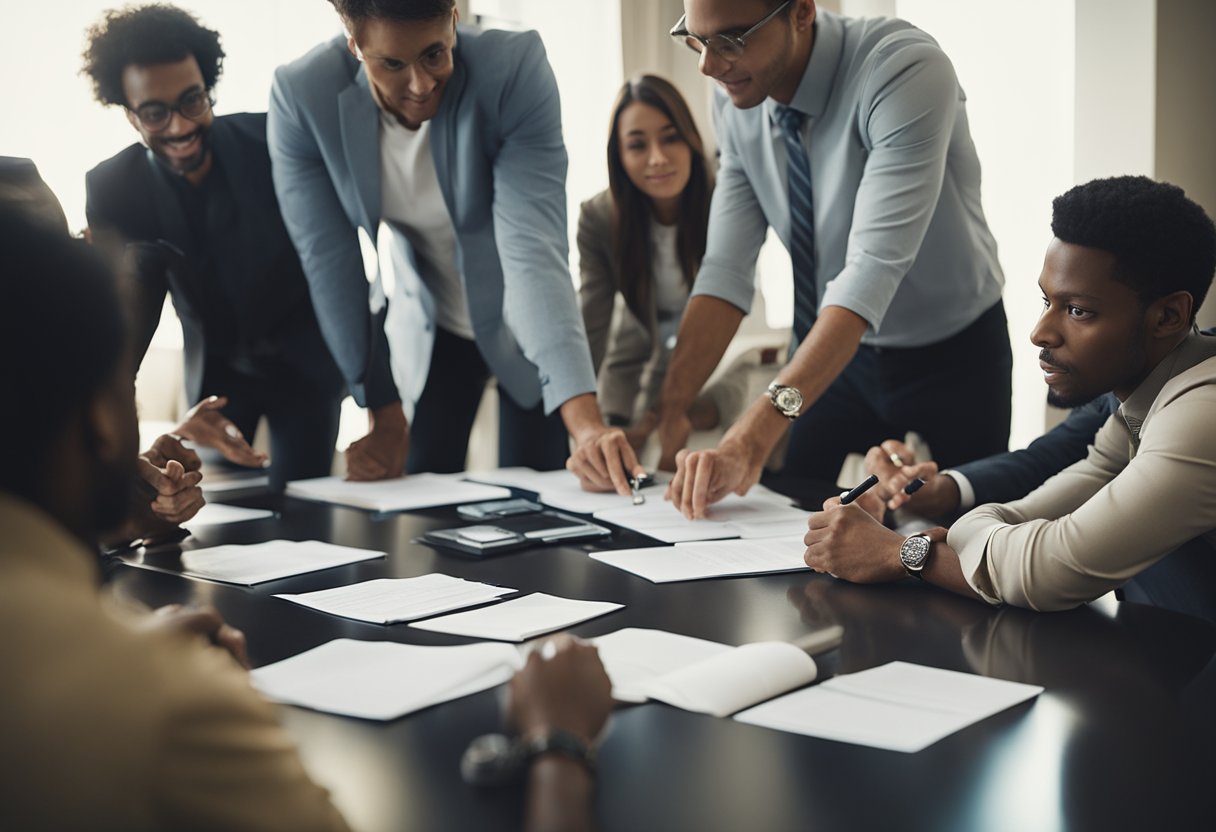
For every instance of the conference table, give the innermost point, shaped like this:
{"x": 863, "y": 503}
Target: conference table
{"x": 1124, "y": 735}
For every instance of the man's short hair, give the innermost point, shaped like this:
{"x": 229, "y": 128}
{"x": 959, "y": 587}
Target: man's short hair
{"x": 62, "y": 336}
{"x": 1162, "y": 241}
{"x": 354, "y": 12}
{"x": 146, "y": 36}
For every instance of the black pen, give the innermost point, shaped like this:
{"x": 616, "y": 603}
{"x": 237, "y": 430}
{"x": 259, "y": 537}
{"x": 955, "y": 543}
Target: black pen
{"x": 914, "y": 486}
{"x": 866, "y": 484}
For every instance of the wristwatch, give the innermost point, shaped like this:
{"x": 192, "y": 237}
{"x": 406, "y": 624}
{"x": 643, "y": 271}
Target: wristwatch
{"x": 787, "y": 400}
{"x": 495, "y": 760}
{"x": 914, "y": 554}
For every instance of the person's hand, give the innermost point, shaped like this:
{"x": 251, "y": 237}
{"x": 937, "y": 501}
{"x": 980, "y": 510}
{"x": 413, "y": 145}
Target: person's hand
{"x": 172, "y": 472}
{"x": 205, "y": 425}
{"x": 568, "y": 691}
{"x": 847, "y": 542}
{"x": 938, "y": 497}
{"x": 603, "y": 460}
{"x": 381, "y": 454}
{"x": 705, "y": 477}
{"x": 673, "y": 430}
{"x": 200, "y": 621}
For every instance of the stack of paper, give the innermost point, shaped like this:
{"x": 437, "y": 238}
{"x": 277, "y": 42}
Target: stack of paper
{"x": 384, "y": 680}
{"x": 389, "y": 600}
{"x": 218, "y": 514}
{"x": 560, "y": 489}
{"x": 711, "y": 559}
{"x": 519, "y": 619}
{"x": 269, "y": 561}
{"x": 415, "y": 491}
{"x": 762, "y": 513}
{"x": 898, "y": 706}
{"x": 699, "y": 675}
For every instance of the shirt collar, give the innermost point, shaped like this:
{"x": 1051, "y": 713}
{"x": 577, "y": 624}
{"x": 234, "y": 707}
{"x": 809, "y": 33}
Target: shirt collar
{"x": 1193, "y": 350}
{"x": 815, "y": 88}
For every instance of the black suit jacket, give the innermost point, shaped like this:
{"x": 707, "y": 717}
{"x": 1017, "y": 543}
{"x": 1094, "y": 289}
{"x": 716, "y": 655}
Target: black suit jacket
{"x": 135, "y": 216}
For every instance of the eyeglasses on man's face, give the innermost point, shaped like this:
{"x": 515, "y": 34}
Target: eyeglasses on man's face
{"x": 727, "y": 47}
{"x": 155, "y": 116}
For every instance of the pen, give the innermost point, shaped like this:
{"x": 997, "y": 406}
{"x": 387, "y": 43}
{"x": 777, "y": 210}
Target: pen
{"x": 636, "y": 483}
{"x": 914, "y": 486}
{"x": 865, "y": 485}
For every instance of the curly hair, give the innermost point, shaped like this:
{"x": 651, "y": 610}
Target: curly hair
{"x": 145, "y": 36}
{"x": 354, "y": 12}
{"x": 1162, "y": 241}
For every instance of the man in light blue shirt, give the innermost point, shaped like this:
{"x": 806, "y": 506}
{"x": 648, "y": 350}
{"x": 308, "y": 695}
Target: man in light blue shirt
{"x": 850, "y": 139}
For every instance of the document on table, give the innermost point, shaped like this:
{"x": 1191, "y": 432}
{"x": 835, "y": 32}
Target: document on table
{"x": 219, "y": 483}
{"x": 218, "y": 514}
{"x": 520, "y": 618}
{"x": 382, "y": 679}
{"x": 898, "y": 706}
{"x": 390, "y": 600}
{"x": 402, "y": 494}
{"x": 762, "y": 513}
{"x": 561, "y": 489}
{"x": 269, "y": 561}
{"x": 699, "y": 675}
{"x": 709, "y": 559}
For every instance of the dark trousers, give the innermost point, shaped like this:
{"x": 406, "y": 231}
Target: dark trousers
{"x": 956, "y": 394}
{"x": 439, "y": 434}
{"x": 303, "y": 419}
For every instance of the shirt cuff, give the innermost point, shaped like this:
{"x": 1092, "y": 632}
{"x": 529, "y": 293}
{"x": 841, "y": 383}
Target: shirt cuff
{"x": 966, "y": 494}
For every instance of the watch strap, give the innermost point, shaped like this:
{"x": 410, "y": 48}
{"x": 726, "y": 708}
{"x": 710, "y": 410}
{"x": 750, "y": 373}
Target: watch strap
{"x": 562, "y": 742}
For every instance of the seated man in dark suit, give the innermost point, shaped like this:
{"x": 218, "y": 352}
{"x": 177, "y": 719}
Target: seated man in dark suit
{"x": 192, "y": 211}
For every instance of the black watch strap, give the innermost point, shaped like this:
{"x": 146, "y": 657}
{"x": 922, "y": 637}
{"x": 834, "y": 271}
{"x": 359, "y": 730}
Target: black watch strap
{"x": 562, "y": 742}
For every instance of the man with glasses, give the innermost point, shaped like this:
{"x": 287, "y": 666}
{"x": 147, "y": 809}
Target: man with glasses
{"x": 441, "y": 146}
{"x": 192, "y": 211}
{"x": 849, "y": 138}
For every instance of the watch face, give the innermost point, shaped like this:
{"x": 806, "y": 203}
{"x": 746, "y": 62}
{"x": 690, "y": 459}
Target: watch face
{"x": 915, "y": 552}
{"x": 788, "y": 400}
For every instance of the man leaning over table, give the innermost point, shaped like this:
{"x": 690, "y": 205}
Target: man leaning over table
{"x": 451, "y": 137}
{"x": 850, "y": 139}
{"x": 110, "y": 719}
{"x": 1131, "y": 262}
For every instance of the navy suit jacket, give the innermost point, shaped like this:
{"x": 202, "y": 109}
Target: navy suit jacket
{"x": 136, "y": 218}
{"x": 1006, "y": 477}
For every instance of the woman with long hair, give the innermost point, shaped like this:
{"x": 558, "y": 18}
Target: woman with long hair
{"x": 640, "y": 245}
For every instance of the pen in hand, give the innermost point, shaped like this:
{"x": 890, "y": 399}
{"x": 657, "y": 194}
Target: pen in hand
{"x": 864, "y": 486}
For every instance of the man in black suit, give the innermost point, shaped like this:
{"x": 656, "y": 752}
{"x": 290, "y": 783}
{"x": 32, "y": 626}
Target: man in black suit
{"x": 192, "y": 211}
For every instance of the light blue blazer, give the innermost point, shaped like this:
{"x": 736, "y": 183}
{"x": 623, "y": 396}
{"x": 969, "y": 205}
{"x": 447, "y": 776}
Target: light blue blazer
{"x": 501, "y": 164}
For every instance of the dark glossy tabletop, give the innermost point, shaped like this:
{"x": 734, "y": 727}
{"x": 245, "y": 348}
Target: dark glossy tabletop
{"x": 1123, "y": 737}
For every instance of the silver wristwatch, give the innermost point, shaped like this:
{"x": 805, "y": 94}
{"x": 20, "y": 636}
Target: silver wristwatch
{"x": 787, "y": 400}
{"x": 914, "y": 554}
{"x": 495, "y": 760}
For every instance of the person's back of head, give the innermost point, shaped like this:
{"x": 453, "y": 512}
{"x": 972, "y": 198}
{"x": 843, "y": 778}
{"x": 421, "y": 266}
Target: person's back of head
{"x": 70, "y": 435}
{"x": 1162, "y": 241}
{"x": 21, "y": 186}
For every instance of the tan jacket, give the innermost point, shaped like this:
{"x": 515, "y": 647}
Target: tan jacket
{"x": 1147, "y": 486}
{"x": 107, "y": 726}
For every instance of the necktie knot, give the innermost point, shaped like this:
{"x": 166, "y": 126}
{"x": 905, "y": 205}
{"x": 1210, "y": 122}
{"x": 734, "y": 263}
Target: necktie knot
{"x": 790, "y": 121}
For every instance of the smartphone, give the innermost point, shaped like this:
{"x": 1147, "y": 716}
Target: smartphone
{"x": 498, "y": 508}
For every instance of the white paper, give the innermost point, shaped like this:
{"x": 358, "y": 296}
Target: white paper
{"x": 384, "y": 680}
{"x": 389, "y": 600}
{"x": 762, "y": 513}
{"x": 898, "y": 706}
{"x": 560, "y": 489}
{"x": 218, "y": 514}
{"x": 402, "y": 494}
{"x": 709, "y": 559}
{"x": 220, "y": 483}
{"x": 519, "y": 619}
{"x": 699, "y": 675}
{"x": 269, "y": 561}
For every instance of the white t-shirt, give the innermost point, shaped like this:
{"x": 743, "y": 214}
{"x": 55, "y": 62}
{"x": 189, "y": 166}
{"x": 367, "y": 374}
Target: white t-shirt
{"x": 412, "y": 202}
{"x": 670, "y": 291}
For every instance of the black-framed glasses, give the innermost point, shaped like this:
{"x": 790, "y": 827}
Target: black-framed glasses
{"x": 727, "y": 47}
{"x": 155, "y": 116}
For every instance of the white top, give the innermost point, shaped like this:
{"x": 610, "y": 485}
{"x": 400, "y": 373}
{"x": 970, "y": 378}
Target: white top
{"x": 412, "y": 202}
{"x": 670, "y": 291}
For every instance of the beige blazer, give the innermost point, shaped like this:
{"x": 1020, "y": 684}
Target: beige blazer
{"x": 108, "y": 726}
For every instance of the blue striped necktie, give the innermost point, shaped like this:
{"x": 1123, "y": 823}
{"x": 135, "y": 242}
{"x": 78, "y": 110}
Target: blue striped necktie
{"x": 802, "y": 222}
